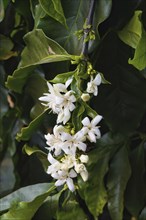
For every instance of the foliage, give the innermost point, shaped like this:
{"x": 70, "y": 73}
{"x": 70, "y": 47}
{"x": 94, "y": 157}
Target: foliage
{"x": 39, "y": 44}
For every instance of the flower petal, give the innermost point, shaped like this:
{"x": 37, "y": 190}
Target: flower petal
{"x": 60, "y": 182}
{"x": 96, "y": 120}
{"x": 70, "y": 184}
{"x": 86, "y": 122}
{"x": 97, "y": 79}
{"x": 91, "y": 137}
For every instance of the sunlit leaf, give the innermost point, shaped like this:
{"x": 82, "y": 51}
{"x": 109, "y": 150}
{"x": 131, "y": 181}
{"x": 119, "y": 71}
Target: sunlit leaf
{"x": 139, "y": 59}
{"x": 54, "y": 9}
{"x": 2, "y": 12}
{"x": 39, "y": 49}
{"x": 132, "y": 32}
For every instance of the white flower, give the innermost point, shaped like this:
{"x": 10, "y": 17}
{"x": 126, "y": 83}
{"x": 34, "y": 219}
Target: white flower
{"x": 60, "y": 100}
{"x": 72, "y": 142}
{"x": 92, "y": 86}
{"x": 93, "y": 131}
{"x": 81, "y": 169}
{"x": 54, "y": 140}
{"x": 62, "y": 171}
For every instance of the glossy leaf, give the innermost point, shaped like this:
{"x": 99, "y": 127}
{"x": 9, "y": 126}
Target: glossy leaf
{"x": 136, "y": 191}
{"x": 139, "y": 59}
{"x": 54, "y": 9}
{"x": 23, "y": 194}
{"x": 119, "y": 173}
{"x": 25, "y": 209}
{"x": 39, "y": 49}
{"x": 132, "y": 32}
{"x": 27, "y": 132}
{"x": 63, "y": 77}
{"x": 75, "y": 19}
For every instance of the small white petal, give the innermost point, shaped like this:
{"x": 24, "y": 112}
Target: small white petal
{"x": 96, "y": 120}
{"x": 84, "y": 158}
{"x": 97, "y": 132}
{"x": 84, "y": 175}
{"x": 86, "y": 121}
{"x": 91, "y": 137}
{"x": 82, "y": 146}
{"x": 72, "y": 173}
{"x": 68, "y": 82}
{"x": 60, "y": 182}
{"x": 51, "y": 159}
{"x": 97, "y": 79}
{"x": 70, "y": 184}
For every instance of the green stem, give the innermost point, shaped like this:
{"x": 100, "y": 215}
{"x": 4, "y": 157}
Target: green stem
{"x": 89, "y": 22}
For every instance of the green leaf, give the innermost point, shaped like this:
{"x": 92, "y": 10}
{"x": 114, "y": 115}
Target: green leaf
{"x": 118, "y": 175}
{"x": 27, "y": 132}
{"x": 39, "y": 49}
{"x": 121, "y": 104}
{"x": 63, "y": 77}
{"x": 139, "y": 59}
{"x": 132, "y": 32}
{"x": 23, "y": 194}
{"x": 26, "y": 208}
{"x": 77, "y": 117}
{"x": 54, "y": 9}
{"x": 90, "y": 112}
{"x": 71, "y": 211}
{"x": 75, "y": 13}
{"x": 40, "y": 154}
{"x": 2, "y": 11}
{"x": 94, "y": 191}
{"x": 6, "y": 46}
{"x": 136, "y": 191}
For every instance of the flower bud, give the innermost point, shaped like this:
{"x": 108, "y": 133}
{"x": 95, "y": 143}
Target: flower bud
{"x": 85, "y": 97}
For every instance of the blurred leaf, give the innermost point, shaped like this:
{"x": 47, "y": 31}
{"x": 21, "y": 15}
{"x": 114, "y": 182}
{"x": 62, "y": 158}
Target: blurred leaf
{"x": 143, "y": 214}
{"x": 135, "y": 196}
{"x": 6, "y": 46}
{"x": 139, "y": 60}
{"x": 39, "y": 49}
{"x": 4, "y": 103}
{"x": 54, "y": 9}
{"x": 7, "y": 176}
{"x": 131, "y": 33}
{"x": 2, "y": 11}
{"x": 27, "y": 132}
{"x": 118, "y": 175}
{"x": 25, "y": 204}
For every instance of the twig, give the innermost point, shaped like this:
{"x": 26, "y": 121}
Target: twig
{"x": 89, "y": 21}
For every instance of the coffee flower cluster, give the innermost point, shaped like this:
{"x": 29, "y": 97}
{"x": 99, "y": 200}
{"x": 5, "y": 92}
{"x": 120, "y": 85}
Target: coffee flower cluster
{"x": 66, "y": 150}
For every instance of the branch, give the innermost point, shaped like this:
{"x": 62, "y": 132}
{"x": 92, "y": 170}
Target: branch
{"x": 87, "y": 30}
